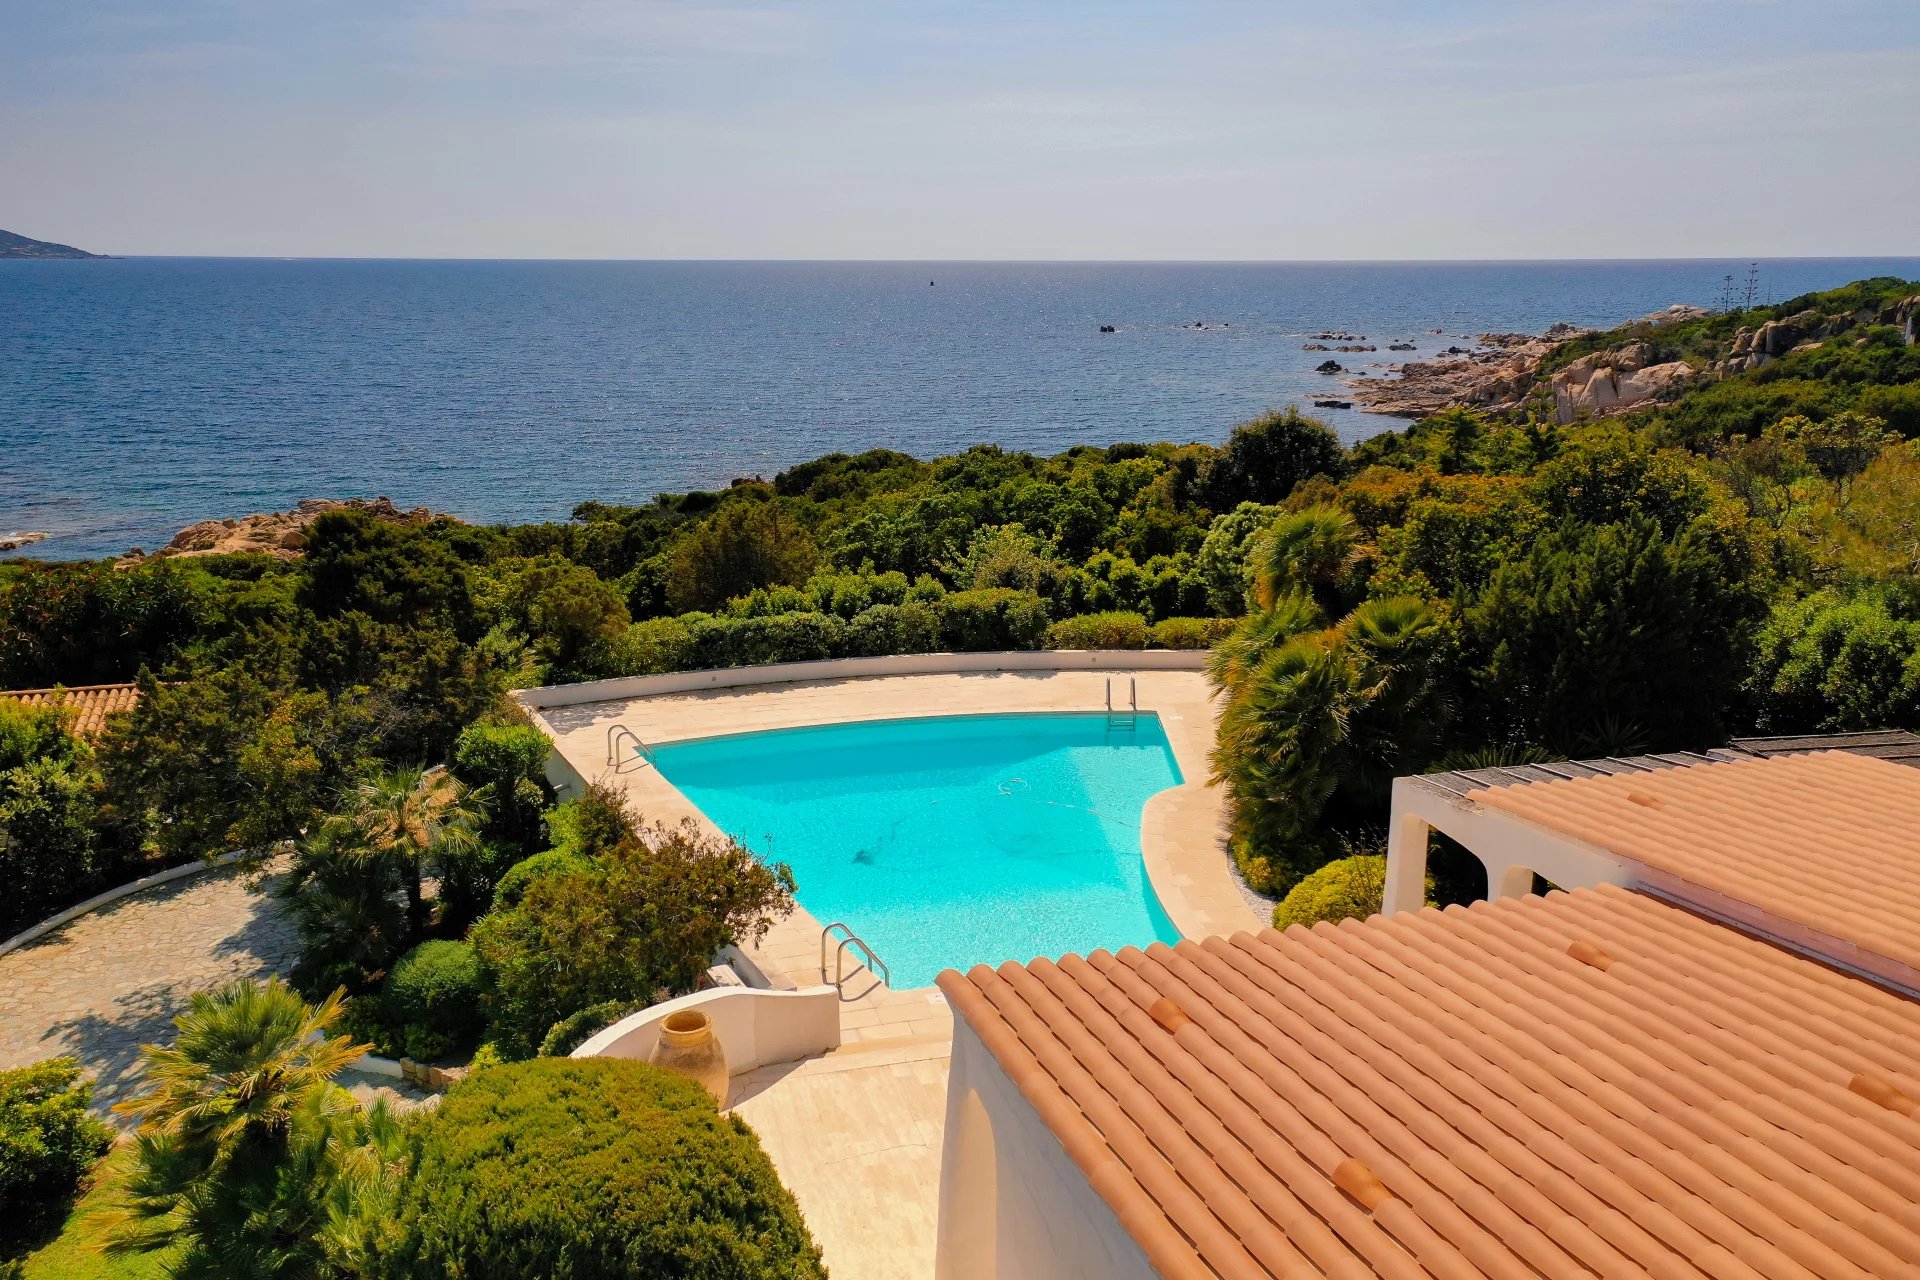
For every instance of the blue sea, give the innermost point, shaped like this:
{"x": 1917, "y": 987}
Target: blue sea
{"x": 139, "y": 395}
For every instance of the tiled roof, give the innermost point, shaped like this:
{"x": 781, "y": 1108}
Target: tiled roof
{"x": 1821, "y": 851}
{"x": 1587, "y": 1084}
{"x": 1886, "y": 744}
{"x": 91, "y": 703}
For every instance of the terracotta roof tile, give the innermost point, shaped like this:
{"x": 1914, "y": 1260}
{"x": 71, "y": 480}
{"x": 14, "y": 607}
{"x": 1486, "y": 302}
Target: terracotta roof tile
{"x": 1820, "y": 850}
{"x": 91, "y": 703}
{"x": 1588, "y": 1084}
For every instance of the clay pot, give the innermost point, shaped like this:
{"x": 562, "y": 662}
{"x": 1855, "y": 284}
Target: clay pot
{"x": 688, "y": 1047}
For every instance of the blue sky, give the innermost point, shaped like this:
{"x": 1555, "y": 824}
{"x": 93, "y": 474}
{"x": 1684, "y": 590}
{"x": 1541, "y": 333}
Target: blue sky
{"x": 1115, "y": 129}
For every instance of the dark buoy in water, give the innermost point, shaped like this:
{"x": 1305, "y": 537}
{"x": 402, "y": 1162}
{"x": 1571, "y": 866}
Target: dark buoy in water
{"x": 929, "y": 284}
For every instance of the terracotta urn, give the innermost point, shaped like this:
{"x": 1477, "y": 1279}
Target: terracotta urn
{"x": 688, "y": 1047}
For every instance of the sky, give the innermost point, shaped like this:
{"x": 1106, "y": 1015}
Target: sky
{"x": 1034, "y": 129}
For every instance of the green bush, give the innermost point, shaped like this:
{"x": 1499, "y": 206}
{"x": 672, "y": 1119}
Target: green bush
{"x": 1099, "y": 631}
{"x": 781, "y": 637}
{"x": 884, "y": 629}
{"x": 48, "y": 1141}
{"x": 593, "y": 1169}
{"x": 506, "y": 767}
{"x": 993, "y": 618}
{"x": 1350, "y": 888}
{"x": 513, "y": 885}
{"x": 49, "y": 849}
{"x": 576, "y": 1029}
{"x": 644, "y": 917}
{"x": 1188, "y": 633}
{"x": 432, "y": 1000}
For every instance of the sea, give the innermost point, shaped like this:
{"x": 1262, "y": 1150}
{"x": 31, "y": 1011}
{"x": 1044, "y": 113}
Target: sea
{"x": 139, "y": 395}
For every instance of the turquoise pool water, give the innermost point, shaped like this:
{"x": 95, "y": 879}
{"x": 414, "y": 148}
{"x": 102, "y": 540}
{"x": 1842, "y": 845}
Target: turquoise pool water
{"x": 953, "y": 841}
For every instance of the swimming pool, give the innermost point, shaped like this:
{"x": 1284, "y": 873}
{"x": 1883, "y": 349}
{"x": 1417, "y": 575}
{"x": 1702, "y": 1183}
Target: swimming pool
{"x": 950, "y": 841}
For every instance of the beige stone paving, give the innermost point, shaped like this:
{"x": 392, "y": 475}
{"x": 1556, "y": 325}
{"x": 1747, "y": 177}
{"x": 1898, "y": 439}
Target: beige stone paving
{"x": 856, "y": 1136}
{"x": 100, "y": 986}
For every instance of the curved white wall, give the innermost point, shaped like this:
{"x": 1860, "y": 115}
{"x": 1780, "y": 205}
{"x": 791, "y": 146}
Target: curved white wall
{"x": 904, "y": 664}
{"x": 755, "y": 1027}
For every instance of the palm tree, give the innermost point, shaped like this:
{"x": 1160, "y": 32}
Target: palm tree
{"x": 410, "y": 820}
{"x": 249, "y": 1158}
{"x": 1308, "y": 551}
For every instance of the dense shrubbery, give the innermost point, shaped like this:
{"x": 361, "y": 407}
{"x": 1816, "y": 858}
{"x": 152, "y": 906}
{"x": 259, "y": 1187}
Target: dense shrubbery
{"x": 599, "y": 1168}
{"x": 48, "y": 1141}
{"x": 576, "y": 1029}
{"x": 630, "y": 923}
{"x": 431, "y": 1001}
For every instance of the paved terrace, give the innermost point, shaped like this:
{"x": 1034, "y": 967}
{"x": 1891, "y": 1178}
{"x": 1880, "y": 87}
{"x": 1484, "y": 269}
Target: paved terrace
{"x": 857, "y": 1133}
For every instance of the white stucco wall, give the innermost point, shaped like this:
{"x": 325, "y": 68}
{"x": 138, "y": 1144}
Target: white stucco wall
{"x": 904, "y": 664}
{"x": 754, "y": 1027}
{"x": 1013, "y": 1204}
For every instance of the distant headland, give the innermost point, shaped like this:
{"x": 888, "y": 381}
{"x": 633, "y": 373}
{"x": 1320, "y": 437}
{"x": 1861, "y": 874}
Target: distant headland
{"x": 19, "y": 246}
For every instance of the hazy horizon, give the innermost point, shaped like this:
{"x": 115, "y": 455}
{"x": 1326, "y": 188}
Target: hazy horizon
{"x": 1119, "y": 131}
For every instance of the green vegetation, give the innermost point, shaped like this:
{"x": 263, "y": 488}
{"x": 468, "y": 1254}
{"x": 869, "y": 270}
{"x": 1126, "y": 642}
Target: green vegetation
{"x": 639, "y": 921}
{"x": 1470, "y": 591}
{"x": 599, "y": 1168}
{"x": 79, "y": 1250}
{"x": 431, "y": 1001}
{"x": 248, "y": 1159}
{"x": 48, "y": 1140}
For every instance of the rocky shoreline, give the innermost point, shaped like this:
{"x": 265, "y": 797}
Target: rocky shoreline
{"x": 1502, "y": 373}
{"x": 280, "y": 534}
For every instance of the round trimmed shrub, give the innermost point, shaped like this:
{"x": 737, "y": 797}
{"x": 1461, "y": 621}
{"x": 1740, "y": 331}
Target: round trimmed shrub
{"x": 513, "y": 885}
{"x": 1110, "y": 630}
{"x": 432, "y": 999}
{"x": 48, "y": 1141}
{"x": 576, "y": 1029}
{"x": 1347, "y": 888}
{"x": 593, "y": 1169}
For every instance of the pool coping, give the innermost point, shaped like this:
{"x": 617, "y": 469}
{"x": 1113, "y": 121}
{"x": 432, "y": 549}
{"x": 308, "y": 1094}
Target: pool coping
{"x": 1182, "y": 828}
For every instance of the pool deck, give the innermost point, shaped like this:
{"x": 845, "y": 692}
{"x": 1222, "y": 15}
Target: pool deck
{"x": 856, "y": 1133}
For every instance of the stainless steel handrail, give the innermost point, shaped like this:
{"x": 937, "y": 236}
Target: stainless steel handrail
{"x": 874, "y": 963}
{"x": 615, "y": 733}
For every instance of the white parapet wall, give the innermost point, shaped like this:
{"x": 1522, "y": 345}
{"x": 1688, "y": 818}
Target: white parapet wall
{"x": 755, "y": 1027}
{"x": 904, "y": 664}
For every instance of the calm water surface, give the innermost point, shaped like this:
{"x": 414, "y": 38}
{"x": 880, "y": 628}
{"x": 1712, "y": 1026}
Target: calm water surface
{"x": 139, "y": 395}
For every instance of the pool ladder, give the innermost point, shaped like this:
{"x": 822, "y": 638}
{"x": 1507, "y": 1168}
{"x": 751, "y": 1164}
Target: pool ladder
{"x": 620, "y": 733}
{"x": 1126, "y": 717}
{"x": 848, "y": 938}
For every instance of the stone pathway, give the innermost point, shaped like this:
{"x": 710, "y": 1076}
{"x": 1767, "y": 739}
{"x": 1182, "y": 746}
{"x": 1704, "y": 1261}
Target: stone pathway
{"x": 101, "y": 986}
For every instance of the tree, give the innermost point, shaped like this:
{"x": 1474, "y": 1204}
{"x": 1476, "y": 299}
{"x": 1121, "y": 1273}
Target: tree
{"x": 1307, "y": 551}
{"x": 1264, "y": 459}
{"x": 1312, "y": 736}
{"x": 745, "y": 545}
{"x": 1614, "y": 625}
{"x": 403, "y": 823}
{"x": 644, "y": 917}
{"x": 92, "y": 623}
{"x": 1222, "y": 562}
{"x": 248, "y": 1157}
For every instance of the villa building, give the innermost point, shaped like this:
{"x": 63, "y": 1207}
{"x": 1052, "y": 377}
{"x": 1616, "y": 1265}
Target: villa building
{"x": 1701, "y": 1058}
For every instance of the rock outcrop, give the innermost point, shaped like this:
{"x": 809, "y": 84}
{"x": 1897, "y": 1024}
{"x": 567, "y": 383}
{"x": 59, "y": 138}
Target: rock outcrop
{"x": 1609, "y": 382}
{"x": 22, "y": 538}
{"x": 280, "y": 534}
{"x": 1497, "y": 375}
{"x": 1504, "y": 372}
